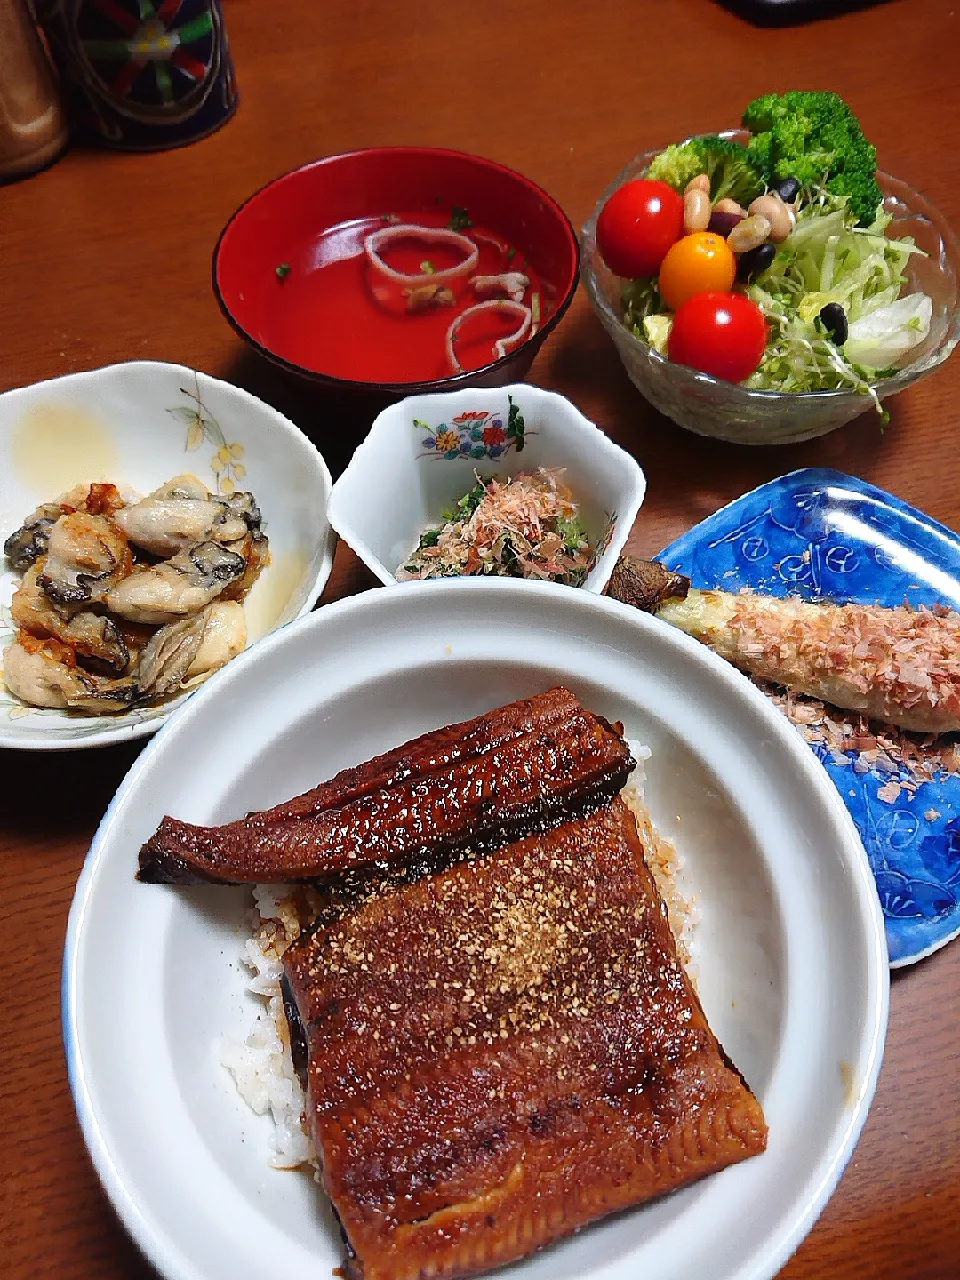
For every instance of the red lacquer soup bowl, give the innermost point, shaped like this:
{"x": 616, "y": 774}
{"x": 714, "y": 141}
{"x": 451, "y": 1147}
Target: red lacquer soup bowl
{"x": 398, "y": 270}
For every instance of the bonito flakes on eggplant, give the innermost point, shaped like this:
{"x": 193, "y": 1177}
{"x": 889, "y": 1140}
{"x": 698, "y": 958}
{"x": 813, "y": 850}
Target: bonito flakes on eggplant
{"x": 126, "y": 601}
{"x": 899, "y": 665}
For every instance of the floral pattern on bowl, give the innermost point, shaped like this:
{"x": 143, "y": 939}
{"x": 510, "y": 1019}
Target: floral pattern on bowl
{"x": 474, "y": 433}
{"x": 137, "y": 424}
{"x": 391, "y": 491}
{"x": 819, "y": 533}
{"x": 229, "y": 471}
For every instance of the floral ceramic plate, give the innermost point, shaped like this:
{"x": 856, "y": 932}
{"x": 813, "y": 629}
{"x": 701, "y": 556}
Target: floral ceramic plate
{"x": 822, "y": 534}
{"x": 139, "y": 425}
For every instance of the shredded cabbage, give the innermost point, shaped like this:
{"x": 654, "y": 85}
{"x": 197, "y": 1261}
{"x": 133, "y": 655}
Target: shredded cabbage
{"x": 828, "y": 258}
{"x": 882, "y": 337}
{"x": 656, "y": 330}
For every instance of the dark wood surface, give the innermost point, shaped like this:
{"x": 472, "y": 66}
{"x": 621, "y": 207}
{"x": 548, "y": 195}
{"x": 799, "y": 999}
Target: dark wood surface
{"x": 106, "y": 257}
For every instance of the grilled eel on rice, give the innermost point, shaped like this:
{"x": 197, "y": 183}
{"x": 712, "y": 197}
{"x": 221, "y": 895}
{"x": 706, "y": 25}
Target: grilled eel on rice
{"x": 500, "y": 1053}
{"x": 900, "y": 665}
{"x": 469, "y": 786}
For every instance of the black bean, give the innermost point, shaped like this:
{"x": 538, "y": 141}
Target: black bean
{"x": 834, "y": 320}
{"x": 754, "y": 261}
{"x": 787, "y": 189}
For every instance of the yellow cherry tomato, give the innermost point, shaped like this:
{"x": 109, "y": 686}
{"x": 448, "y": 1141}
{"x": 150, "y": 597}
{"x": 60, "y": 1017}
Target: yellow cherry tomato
{"x": 702, "y": 262}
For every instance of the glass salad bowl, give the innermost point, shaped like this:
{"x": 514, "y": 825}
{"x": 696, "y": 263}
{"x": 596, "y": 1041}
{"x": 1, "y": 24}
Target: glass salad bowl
{"x": 729, "y": 411}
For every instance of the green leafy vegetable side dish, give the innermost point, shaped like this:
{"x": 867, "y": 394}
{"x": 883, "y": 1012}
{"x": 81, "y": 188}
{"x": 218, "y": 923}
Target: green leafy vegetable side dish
{"x": 526, "y": 526}
{"x": 572, "y": 531}
{"x": 464, "y": 507}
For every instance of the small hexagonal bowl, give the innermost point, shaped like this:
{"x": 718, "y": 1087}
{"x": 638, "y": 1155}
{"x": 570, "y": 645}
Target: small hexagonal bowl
{"x": 424, "y": 453}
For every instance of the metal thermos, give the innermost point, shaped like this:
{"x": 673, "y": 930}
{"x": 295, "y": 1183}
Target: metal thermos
{"x": 33, "y": 127}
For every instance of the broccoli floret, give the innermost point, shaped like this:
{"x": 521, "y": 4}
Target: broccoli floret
{"x": 760, "y": 151}
{"x": 676, "y": 165}
{"x": 863, "y": 192}
{"x": 732, "y": 172}
{"x": 813, "y": 136}
{"x": 761, "y": 113}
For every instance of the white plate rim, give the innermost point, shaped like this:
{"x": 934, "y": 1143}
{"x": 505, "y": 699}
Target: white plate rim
{"x": 157, "y": 1245}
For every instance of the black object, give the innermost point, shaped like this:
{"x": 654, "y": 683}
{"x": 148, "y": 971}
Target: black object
{"x": 834, "y": 319}
{"x": 793, "y": 13}
{"x": 787, "y": 189}
{"x": 754, "y": 261}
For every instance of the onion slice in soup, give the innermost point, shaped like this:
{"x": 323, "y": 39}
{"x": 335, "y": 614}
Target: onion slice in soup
{"x": 502, "y": 346}
{"x": 502, "y": 250}
{"x": 402, "y": 291}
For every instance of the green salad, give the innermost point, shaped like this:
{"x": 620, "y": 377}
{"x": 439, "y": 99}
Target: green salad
{"x": 769, "y": 263}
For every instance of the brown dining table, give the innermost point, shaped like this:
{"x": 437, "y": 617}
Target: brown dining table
{"x": 106, "y": 257}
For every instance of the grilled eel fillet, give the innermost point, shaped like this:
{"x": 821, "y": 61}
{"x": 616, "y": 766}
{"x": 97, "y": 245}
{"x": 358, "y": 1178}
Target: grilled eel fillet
{"x": 505, "y": 1051}
{"x": 469, "y": 786}
{"x": 900, "y": 665}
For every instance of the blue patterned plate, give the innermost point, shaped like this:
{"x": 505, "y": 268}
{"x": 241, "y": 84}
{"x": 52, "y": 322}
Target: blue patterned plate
{"x": 819, "y": 533}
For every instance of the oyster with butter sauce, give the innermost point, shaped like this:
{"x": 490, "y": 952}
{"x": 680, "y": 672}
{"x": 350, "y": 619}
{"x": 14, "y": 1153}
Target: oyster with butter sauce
{"x": 126, "y": 601}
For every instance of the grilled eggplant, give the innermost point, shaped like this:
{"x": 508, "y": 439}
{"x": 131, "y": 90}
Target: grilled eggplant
{"x": 900, "y": 665}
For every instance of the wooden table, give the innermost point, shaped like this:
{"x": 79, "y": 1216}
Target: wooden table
{"x": 106, "y": 257}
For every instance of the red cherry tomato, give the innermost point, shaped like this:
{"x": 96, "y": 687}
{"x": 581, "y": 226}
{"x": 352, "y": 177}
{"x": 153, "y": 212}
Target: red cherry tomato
{"x": 637, "y": 226}
{"x": 719, "y": 333}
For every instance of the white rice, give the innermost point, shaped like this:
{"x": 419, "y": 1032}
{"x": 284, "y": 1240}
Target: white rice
{"x": 261, "y": 1063}
{"x": 663, "y": 860}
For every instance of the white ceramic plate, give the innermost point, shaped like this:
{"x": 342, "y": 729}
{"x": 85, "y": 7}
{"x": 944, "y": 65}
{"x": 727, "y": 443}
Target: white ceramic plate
{"x": 790, "y": 952}
{"x": 140, "y": 424}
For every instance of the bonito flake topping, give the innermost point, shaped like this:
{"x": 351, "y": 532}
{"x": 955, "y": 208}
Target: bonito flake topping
{"x": 525, "y": 527}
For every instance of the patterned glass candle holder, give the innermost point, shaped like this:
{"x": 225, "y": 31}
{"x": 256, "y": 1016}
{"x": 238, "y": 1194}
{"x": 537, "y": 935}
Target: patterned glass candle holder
{"x": 142, "y": 75}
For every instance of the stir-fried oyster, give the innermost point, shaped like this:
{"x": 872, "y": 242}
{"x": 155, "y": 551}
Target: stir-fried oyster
{"x": 183, "y": 512}
{"x": 181, "y": 651}
{"x": 177, "y": 587}
{"x": 28, "y": 543}
{"x": 86, "y": 555}
{"x": 93, "y": 636}
{"x": 46, "y": 673}
{"x": 123, "y": 603}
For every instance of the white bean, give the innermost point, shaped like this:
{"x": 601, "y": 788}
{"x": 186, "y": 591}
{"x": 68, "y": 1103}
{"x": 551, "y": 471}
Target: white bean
{"x": 700, "y": 183}
{"x": 746, "y": 235}
{"x": 780, "y": 217}
{"x": 726, "y": 205}
{"x": 696, "y": 210}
